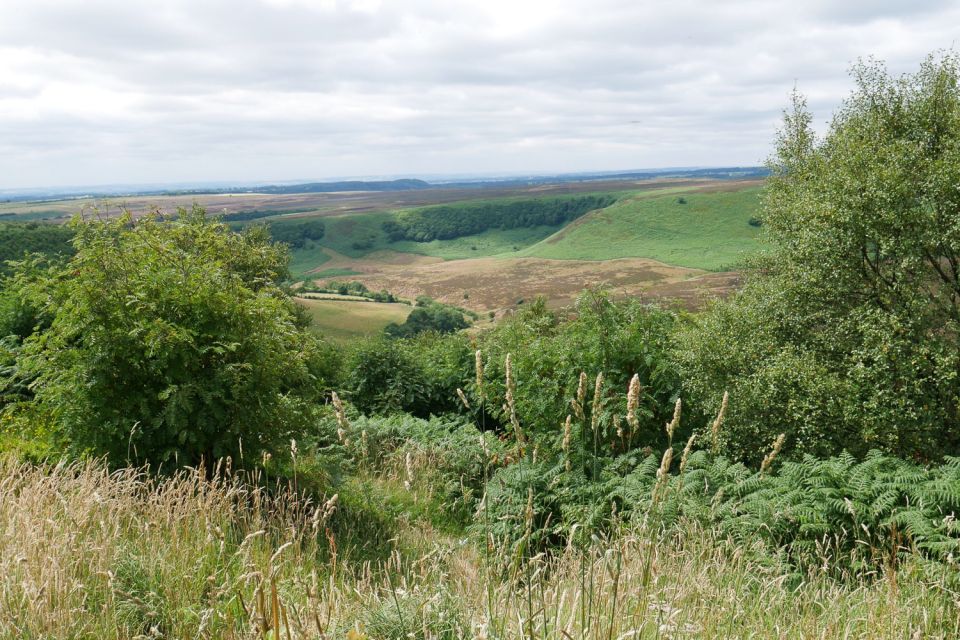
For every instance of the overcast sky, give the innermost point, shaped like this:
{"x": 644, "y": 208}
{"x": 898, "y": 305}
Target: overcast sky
{"x": 106, "y": 92}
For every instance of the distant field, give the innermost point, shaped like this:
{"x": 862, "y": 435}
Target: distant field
{"x": 711, "y": 231}
{"x": 330, "y": 204}
{"x": 343, "y": 320}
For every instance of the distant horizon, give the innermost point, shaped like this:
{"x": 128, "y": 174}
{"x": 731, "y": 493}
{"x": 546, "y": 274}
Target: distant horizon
{"x": 76, "y": 190}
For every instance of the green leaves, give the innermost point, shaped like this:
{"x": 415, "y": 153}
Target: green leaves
{"x": 170, "y": 340}
{"x": 845, "y": 335}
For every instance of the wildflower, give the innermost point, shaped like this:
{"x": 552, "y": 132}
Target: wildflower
{"x": 597, "y": 399}
{"x": 479, "y": 365}
{"x": 673, "y": 424}
{"x": 686, "y": 453}
{"x": 408, "y": 483}
{"x": 577, "y": 402}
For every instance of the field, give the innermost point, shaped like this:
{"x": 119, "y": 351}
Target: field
{"x": 647, "y": 244}
{"x": 343, "y": 320}
{"x": 91, "y": 552}
{"x": 328, "y": 204}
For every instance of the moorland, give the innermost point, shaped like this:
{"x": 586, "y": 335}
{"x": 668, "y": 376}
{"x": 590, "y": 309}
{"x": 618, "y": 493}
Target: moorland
{"x": 642, "y": 409}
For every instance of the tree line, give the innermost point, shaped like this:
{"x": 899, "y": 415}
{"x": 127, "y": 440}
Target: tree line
{"x": 445, "y": 222}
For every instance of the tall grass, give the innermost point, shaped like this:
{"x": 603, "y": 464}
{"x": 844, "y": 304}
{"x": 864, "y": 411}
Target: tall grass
{"x": 89, "y": 553}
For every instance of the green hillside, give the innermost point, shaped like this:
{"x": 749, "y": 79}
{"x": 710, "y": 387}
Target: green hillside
{"x": 710, "y": 231}
{"x": 706, "y": 231}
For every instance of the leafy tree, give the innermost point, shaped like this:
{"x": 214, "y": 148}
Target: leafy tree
{"x": 443, "y": 222}
{"x": 418, "y": 375}
{"x": 429, "y": 315}
{"x": 846, "y": 333}
{"x": 169, "y": 340}
{"x": 549, "y": 351}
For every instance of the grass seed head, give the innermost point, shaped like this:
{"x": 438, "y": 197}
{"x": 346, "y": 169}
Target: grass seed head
{"x": 408, "y": 483}
{"x": 478, "y": 357}
{"x": 463, "y": 398}
{"x": 770, "y": 457}
{"x": 715, "y": 429}
{"x": 597, "y": 401}
{"x": 673, "y": 424}
{"x": 686, "y": 453}
{"x": 633, "y": 402}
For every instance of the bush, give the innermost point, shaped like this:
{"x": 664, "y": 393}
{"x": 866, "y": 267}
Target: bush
{"x": 429, "y": 315}
{"x": 419, "y": 375}
{"x": 549, "y": 352}
{"x": 169, "y": 341}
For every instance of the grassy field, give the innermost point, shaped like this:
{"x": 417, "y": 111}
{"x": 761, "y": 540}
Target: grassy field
{"x": 710, "y": 231}
{"x": 343, "y": 320}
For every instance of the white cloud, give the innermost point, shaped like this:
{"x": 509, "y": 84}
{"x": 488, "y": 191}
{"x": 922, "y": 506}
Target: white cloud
{"x": 112, "y": 91}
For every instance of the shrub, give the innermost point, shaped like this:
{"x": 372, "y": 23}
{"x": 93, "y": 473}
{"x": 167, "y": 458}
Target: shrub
{"x": 550, "y": 351}
{"x": 169, "y": 341}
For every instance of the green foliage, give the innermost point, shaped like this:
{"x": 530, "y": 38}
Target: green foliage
{"x": 418, "y": 375}
{"x": 296, "y": 233}
{"x": 169, "y": 340}
{"x": 845, "y": 335}
{"x": 20, "y": 239}
{"x": 418, "y": 616}
{"x": 549, "y": 352}
{"x": 857, "y": 517}
{"x": 451, "y": 457}
{"x": 429, "y": 315}
{"x": 709, "y": 232}
{"x": 348, "y": 288}
{"x": 444, "y": 222}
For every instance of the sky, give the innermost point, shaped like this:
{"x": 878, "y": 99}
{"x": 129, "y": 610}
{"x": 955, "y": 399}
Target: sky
{"x": 99, "y": 92}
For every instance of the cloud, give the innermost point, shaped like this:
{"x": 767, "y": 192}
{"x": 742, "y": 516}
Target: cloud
{"x": 107, "y": 91}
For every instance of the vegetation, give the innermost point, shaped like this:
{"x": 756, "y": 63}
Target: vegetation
{"x": 782, "y": 465}
{"x": 345, "y": 321}
{"x": 18, "y": 239}
{"x": 708, "y": 231}
{"x": 444, "y": 222}
{"x": 166, "y": 341}
{"x": 430, "y": 315}
{"x": 296, "y": 233}
{"x": 845, "y": 336}
{"x": 348, "y": 288}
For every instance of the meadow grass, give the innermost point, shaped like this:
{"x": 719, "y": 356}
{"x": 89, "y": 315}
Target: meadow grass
{"x": 87, "y": 552}
{"x": 345, "y": 320}
{"x": 711, "y": 231}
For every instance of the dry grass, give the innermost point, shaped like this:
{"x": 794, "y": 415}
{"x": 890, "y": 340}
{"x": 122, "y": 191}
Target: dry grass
{"x": 85, "y": 553}
{"x": 498, "y": 283}
{"x": 343, "y": 319}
